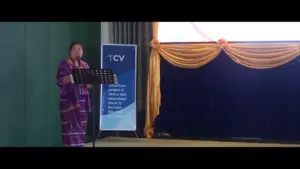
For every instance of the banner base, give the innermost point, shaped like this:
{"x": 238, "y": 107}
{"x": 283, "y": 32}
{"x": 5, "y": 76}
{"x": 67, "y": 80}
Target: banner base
{"x": 117, "y": 133}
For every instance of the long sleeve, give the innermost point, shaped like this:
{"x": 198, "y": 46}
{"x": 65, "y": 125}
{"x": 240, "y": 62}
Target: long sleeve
{"x": 62, "y": 75}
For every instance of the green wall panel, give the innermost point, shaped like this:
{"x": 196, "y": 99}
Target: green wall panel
{"x": 30, "y": 53}
{"x": 12, "y": 84}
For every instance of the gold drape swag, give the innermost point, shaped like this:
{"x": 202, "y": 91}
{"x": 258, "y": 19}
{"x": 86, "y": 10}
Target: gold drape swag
{"x": 252, "y": 55}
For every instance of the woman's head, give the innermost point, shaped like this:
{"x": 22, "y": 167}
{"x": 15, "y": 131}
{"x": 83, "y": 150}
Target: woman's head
{"x": 76, "y": 50}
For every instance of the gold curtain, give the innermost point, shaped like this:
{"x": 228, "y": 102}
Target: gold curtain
{"x": 252, "y": 55}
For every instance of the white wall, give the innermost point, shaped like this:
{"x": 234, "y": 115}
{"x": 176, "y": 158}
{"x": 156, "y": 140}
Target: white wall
{"x": 106, "y": 32}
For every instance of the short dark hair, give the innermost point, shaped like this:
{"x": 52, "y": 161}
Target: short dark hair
{"x": 75, "y": 43}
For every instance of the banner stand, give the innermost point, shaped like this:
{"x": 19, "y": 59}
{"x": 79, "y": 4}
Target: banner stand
{"x": 118, "y": 101}
{"x": 117, "y": 133}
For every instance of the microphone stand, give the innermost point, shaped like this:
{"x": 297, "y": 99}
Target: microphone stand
{"x": 93, "y": 76}
{"x": 93, "y": 106}
{"x": 94, "y": 114}
{"x": 79, "y": 62}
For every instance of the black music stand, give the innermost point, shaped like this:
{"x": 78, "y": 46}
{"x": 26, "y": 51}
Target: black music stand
{"x": 93, "y": 77}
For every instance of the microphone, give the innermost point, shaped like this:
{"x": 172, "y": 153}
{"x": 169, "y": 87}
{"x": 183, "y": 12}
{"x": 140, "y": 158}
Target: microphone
{"x": 79, "y": 62}
{"x": 115, "y": 79}
{"x": 71, "y": 79}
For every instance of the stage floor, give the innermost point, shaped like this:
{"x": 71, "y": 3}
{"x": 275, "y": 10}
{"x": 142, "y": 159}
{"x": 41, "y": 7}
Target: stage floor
{"x": 141, "y": 142}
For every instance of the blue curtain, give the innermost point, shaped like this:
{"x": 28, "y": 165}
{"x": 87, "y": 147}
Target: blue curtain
{"x": 224, "y": 99}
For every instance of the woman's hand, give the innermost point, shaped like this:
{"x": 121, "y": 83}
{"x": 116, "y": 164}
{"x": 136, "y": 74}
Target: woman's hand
{"x": 88, "y": 86}
{"x": 67, "y": 79}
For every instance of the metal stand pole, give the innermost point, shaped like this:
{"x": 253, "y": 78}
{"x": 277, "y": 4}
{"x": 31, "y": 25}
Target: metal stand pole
{"x": 94, "y": 114}
{"x": 136, "y": 135}
{"x": 98, "y": 134}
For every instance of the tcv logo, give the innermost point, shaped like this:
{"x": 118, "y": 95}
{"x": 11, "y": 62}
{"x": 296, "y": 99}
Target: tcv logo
{"x": 116, "y": 58}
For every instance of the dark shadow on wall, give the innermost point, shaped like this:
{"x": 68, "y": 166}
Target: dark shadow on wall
{"x": 139, "y": 33}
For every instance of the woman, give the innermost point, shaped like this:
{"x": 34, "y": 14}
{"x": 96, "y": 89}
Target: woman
{"x": 74, "y": 99}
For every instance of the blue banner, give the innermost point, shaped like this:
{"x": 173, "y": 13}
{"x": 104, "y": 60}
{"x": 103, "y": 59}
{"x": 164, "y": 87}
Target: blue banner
{"x": 118, "y": 101}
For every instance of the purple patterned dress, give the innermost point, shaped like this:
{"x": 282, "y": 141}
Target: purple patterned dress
{"x": 74, "y": 106}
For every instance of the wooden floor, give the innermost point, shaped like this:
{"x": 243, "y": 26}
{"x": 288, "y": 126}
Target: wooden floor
{"x": 141, "y": 142}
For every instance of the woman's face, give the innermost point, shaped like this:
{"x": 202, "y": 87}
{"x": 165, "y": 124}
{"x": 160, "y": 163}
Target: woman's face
{"x": 76, "y": 51}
